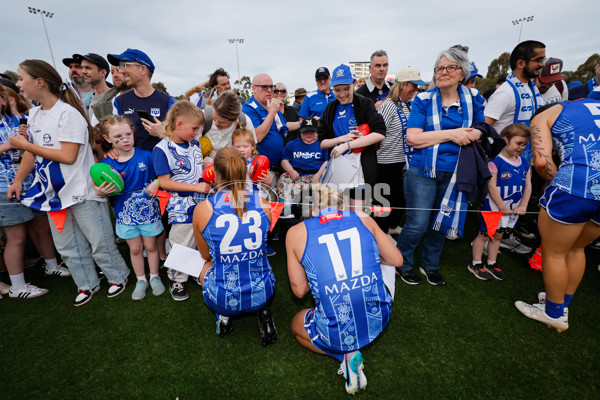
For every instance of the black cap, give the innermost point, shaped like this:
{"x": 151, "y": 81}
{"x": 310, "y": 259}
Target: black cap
{"x": 94, "y": 59}
{"x": 68, "y": 61}
{"x": 309, "y": 125}
{"x": 322, "y": 71}
{"x": 9, "y": 84}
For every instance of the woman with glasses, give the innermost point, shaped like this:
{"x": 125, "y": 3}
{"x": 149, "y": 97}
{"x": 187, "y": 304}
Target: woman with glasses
{"x": 289, "y": 113}
{"x": 439, "y": 124}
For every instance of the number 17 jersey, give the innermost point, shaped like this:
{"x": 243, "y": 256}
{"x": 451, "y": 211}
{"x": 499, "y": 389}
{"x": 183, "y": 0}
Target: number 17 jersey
{"x": 341, "y": 260}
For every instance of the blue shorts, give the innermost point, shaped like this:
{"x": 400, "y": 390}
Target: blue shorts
{"x": 310, "y": 326}
{"x": 568, "y": 209}
{"x": 133, "y": 231}
{"x": 14, "y": 213}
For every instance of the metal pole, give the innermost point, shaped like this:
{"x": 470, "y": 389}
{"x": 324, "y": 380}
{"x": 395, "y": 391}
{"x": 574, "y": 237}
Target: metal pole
{"x": 237, "y": 56}
{"x": 521, "y": 31}
{"x": 50, "y": 47}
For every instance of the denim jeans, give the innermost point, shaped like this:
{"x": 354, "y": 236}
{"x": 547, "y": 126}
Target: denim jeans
{"x": 86, "y": 224}
{"x": 425, "y": 193}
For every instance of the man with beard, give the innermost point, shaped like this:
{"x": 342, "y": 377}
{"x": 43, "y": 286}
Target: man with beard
{"x": 95, "y": 70}
{"x": 376, "y": 87}
{"x": 78, "y": 83}
{"x": 104, "y": 106}
{"x": 515, "y": 101}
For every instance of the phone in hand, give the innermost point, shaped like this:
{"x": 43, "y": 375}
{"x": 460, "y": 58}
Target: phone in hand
{"x": 22, "y": 121}
{"x": 144, "y": 114}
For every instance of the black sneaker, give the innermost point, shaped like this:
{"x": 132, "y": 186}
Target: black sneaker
{"x": 479, "y": 271}
{"x": 115, "y": 290}
{"x": 84, "y": 296}
{"x": 433, "y": 276}
{"x": 525, "y": 232}
{"x": 178, "y": 292}
{"x": 270, "y": 251}
{"x": 409, "y": 276}
{"x": 224, "y": 326}
{"x": 266, "y": 327}
{"x": 496, "y": 272}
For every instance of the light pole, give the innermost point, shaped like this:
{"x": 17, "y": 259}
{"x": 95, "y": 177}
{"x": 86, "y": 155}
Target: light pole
{"x": 236, "y": 41}
{"x": 521, "y": 21}
{"x": 43, "y": 14}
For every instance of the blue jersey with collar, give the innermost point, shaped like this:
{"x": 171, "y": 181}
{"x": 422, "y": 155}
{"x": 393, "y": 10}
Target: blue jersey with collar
{"x": 241, "y": 278}
{"x": 314, "y": 104}
{"x": 344, "y": 120}
{"x": 341, "y": 260}
{"x": 272, "y": 144}
{"x": 303, "y": 156}
{"x": 134, "y": 206}
{"x": 157, "y": 105}
{"x": 452, "y": 118}
{"x": 576, "y": 137}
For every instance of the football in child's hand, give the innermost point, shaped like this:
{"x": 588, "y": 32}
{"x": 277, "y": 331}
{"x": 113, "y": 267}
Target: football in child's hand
{"x": 258, "y": 167}
{"x": 364, "y": 130}
{"x": 208, "y": 175}
{"x": 205, "y": 145}
{"x": 101, "y": 172}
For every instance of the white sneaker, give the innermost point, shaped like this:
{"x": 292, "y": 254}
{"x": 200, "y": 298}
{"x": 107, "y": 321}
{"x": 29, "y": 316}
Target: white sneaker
{"x": 84, "y": 296}
{"x": 514, "y": 245}
{"x": 27, "y": 291}
{"x": 61, "y": 271}
{"x": 534, "y": 312}
{"x": 395, "y": 231}
{"x": 542, "y": 303}
{"x": 353, "y": 373}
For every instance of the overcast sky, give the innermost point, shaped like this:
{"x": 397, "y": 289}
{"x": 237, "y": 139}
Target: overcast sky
{"x": 187, "y": 40}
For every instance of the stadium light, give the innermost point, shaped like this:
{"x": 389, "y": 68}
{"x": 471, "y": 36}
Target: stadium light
{"x": 521, "y": 21}
{"x": 236, "y": 41}
{"x": 44, "y": 14}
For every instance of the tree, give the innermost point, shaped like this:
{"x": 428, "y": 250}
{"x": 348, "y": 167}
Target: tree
{"x": 244, "y": 85}
{"x": 160, "y": 86}
{"x": 585, "y": 71}
{"x": 11, "y": 75}
{"x": 499, "y": 66}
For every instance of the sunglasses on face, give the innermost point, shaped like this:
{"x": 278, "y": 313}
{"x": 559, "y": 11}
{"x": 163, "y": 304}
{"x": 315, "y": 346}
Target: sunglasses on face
{"x": 280, "y": 91}
{"x": 266, "y": 87}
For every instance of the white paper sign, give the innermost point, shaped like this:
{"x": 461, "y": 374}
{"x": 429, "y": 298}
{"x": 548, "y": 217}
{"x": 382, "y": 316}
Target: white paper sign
{"x": 186, "y": 260}
{"x": 389, "y": 278}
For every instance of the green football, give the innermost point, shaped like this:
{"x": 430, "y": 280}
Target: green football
{"x": 101, "y": 172}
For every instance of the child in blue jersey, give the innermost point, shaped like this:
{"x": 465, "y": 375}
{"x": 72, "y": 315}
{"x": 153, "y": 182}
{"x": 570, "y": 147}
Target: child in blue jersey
{"x": 509, "y": 192}
{"x": 336, "y": 255}
{"x": 243, "y": 140}
{"x": 231, "y": 231}
{"x": 178, "y": 163}
{"x": 137, "y": 211}
{"x": 303, "y": 161}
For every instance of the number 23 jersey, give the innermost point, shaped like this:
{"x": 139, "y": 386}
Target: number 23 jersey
{"x": 241, "y": 278}
{"x": 341, "y": 260}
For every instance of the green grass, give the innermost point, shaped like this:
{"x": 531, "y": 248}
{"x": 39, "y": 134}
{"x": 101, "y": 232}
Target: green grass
{"x": 461, "y": 341}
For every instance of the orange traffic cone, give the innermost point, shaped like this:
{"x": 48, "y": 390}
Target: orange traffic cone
{"x": 535, "y": 261}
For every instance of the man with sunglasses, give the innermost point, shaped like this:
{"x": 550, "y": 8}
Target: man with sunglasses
{"x": 77, "y": 81}
{"x": 137, "y": 69}
{"x": 270, "y": 125}
{"x": 315, "y": 102}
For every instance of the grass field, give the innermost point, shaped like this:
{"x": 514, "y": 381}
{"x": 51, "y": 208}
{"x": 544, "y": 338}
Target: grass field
{"x": 464, "y": 340}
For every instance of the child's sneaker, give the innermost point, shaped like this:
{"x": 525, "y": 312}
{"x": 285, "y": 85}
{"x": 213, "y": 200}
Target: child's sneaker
{"x": 496, "y": 272}
{"x": 60, "y": 271}
{"x": 352, "y": 369}
{"x": 157, "y": 286}
{"x": 479, "y": 271}
{"x": 561, "y": 324}
{"x": 115, "y": 290}
{"x": 140, "y": 290}
{"x": 27, "y": 291}
{"x": 84, "y": 296}
{"x": 178, "y": 292}
{"x": 270, "y": 251}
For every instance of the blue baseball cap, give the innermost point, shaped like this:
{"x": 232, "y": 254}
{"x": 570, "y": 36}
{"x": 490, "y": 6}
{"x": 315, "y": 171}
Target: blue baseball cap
{"x": 473, "y": 71}
{"x": 342, "y": 75}
{"x": 134, "y": 55}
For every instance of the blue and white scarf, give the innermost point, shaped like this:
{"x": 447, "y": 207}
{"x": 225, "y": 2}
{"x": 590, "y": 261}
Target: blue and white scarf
{"x": 450, "y": 219}
{"x": 592, "y": 84}
{"x": 408, "y": 150}
{"x": 525, "y": 106}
